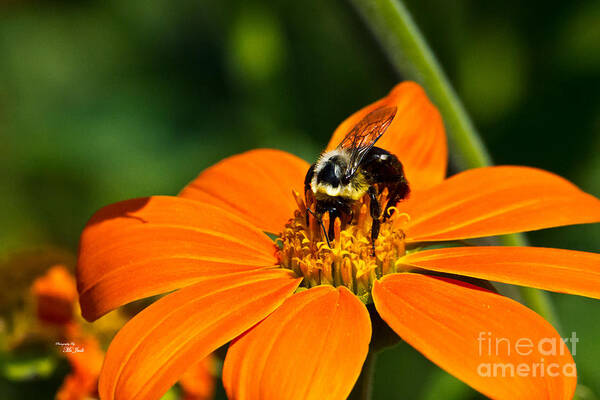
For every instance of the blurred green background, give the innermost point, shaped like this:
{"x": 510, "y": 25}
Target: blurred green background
{"x": 104, "y": 101}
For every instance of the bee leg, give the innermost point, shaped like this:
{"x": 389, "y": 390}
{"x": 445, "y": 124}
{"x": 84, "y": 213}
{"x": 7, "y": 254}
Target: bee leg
{"x": 333, "y": 214}
{"x": 375, "y": 212}
{"x": 307, "y": 209}
{"x": 374, "y": 234}
{"x": 307, "y": 189}
{"x": 320, "y": 221}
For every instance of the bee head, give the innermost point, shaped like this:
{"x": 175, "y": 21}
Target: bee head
{"x": 330, "y": 174}
{"x": 330, "y": 170}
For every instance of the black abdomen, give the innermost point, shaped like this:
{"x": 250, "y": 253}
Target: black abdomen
{"x": 383, "y": 168}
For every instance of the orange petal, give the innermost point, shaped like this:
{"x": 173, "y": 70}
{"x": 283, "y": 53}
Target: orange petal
{"x": 142, "y": 247}
{"x": 416, "y": 134}
{"x": 159, "y": 344}
{"x": 312, "y": 347}
{"x": 453, "y": 324}
{"x": 494, "y": 201}
{"x": 566, "y": 271}
{"x": 256, "y": 185}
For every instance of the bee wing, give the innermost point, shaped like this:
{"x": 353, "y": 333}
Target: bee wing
{"x": 364, "y": 135}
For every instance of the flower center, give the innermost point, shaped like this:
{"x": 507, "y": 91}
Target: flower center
{"x": 350, "y": 260}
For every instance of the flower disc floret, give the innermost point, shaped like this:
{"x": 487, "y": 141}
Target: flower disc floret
{"x": 349, "y": 261}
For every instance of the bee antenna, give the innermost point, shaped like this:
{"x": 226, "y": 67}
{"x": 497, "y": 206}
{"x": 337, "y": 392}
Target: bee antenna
{"x": 322, "y": 225}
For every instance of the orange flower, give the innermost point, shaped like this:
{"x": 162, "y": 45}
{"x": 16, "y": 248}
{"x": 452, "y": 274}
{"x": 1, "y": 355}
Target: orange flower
{"x": 297, "y": 313}
{"x": 55, "y": 295}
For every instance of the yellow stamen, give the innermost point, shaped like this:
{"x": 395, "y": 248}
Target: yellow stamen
{"x": 349, "y": 262}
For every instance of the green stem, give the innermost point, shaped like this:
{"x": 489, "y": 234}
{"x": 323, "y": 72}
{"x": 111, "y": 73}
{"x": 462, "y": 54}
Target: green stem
{"x": 394, "y": 28}
{"x": 392, "y": 25}
{"x": 363, "y": 388}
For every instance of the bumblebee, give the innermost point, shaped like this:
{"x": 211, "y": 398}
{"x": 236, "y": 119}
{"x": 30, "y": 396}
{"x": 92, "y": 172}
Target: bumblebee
{"x": 355, "y": 168}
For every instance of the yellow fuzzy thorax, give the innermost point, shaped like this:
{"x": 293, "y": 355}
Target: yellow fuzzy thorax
{"x": 356, "y": 189}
